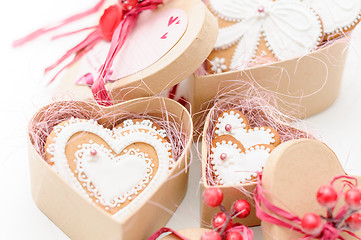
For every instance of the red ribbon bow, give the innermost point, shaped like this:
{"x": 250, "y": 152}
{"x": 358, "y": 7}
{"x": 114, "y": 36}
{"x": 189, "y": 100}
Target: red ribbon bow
{"x": 120, "y": 35}
{"x": 116, "y": 24}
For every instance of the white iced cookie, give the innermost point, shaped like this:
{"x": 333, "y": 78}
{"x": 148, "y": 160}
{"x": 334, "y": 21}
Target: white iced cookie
{"x": 232, "y": 122}
{"x": 115, "y": 169}
{"x": 232, "y": 164}
{"x": 338, "y": 16}
{"x": 273, "y": 30}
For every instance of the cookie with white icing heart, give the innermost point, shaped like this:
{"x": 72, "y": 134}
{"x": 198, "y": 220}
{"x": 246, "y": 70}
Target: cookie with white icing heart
{"x": 232, "y": 122}
{"x": 259, "y": 31}
{"x": 338, "y": 16}
{"x": 114, "y": 168}
{"x": 233, "y": 164}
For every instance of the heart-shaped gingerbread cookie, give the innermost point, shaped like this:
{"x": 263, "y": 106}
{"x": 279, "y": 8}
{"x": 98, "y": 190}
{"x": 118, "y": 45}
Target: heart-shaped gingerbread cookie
{"x": 291, "y": 178}
{"x": 115, "y": 168}
{"x": 233, "y": 164}
{"x": 233, "y": 122}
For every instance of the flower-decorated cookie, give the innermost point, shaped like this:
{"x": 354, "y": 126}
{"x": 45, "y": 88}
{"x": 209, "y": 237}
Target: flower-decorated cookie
{"x": 338, "y": 16}
{"x": 233, "y": 164}
{"x": 272, "y": 30}
{"x": 115, "y": 168}
{"x": 233, "y": 122}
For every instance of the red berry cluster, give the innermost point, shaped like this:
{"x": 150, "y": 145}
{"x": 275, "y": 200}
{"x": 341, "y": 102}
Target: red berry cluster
{"x": 349, "y": 219}
{"x": 222, "y": 221}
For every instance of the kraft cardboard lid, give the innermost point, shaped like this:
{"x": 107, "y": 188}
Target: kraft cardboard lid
{"x": 166, "y": 46}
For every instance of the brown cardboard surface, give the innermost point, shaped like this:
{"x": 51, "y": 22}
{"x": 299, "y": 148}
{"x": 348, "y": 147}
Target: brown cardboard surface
{"x": 304, "y": 86}
{"x": 179, "y": 63}
{"x": 190, "y": 233}
{"x": 230, "y": 194}
{"x": 294, "y": 172}
{"x": 80, "y": 219}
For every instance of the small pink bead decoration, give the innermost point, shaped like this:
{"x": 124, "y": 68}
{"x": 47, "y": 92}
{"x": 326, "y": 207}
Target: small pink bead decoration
{"x": 228, "y": 127}
{"x": 223, "y": 156}
{"x": 93, "y": 152}
{"x": 260, "y": 9}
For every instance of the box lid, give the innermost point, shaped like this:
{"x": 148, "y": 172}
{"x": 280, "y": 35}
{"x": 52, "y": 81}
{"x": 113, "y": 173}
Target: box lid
{"x": 166, "y": 46}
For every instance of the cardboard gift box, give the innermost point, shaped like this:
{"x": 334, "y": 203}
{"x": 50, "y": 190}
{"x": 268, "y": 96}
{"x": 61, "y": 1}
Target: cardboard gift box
{"x": 269, "y": 117}
{"x": 302, "y": 167}
{"x": 304, "y": 86}
{"x": 187, "y": 48}
{"x": 75, "y": 215}
{"x": 230, "y": 193}
{"x": 81, "y": 219}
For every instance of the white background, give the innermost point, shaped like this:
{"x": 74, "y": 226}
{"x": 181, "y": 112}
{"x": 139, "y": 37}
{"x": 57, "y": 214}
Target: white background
{"x": 22, "y": 91}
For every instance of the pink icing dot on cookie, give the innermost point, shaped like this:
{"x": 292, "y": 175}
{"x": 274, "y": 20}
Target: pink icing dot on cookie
{"x": 93, "y": 152}
{"x": 260, "y": 9}
{"x": 228, "y": 127}
{"x": 223, "y": 156}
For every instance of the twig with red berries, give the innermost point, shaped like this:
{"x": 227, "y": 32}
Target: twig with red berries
{"x": 224, "y": 228}
{"x": 347, "y": 219}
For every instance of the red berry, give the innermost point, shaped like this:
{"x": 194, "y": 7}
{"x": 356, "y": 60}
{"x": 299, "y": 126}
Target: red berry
{"x": 241, "y": 208}
{"x": 234, "y": 236}
{"x": 353, "y": 198}
{"x": 327, "y": 196}
{"x": 213, "y": 197}
{"x": 354, "y": 222}
{"x": 210, "y": 235}
{"x": 311, "y": 224}
{"x": 219, "y": 220}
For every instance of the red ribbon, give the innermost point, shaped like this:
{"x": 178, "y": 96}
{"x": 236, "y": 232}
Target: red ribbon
{"x": 280, "y": 217}
{"x": 158, "y": 233}
{"x": 247, "y": 233}
{"x": 64, "y": 22}
{"x": 79, "y": 50}
{"x": 120, "y": 35}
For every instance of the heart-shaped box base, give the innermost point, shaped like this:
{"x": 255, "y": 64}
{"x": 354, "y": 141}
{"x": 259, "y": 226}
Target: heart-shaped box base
{"x": 78, "y": 217}
{"x": 293, "y": 173}
{"x": 304, "y": 86}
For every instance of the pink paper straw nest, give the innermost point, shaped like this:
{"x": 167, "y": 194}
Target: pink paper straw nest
{"x": 47, "y": 118}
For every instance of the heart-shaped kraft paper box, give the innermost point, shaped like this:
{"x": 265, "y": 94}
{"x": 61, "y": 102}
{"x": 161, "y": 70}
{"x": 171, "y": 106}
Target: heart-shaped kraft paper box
{"x": 305, "y": 84}
{"x": 76, "y": 198}
{"x": 239, "y": 135}
{"x": 165, "y": 47}
{"x": 291, "y": 178}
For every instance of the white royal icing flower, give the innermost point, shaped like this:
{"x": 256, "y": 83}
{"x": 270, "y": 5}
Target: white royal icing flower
{"x": 290, "y": 28}
{"x": 218, "y": 65}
